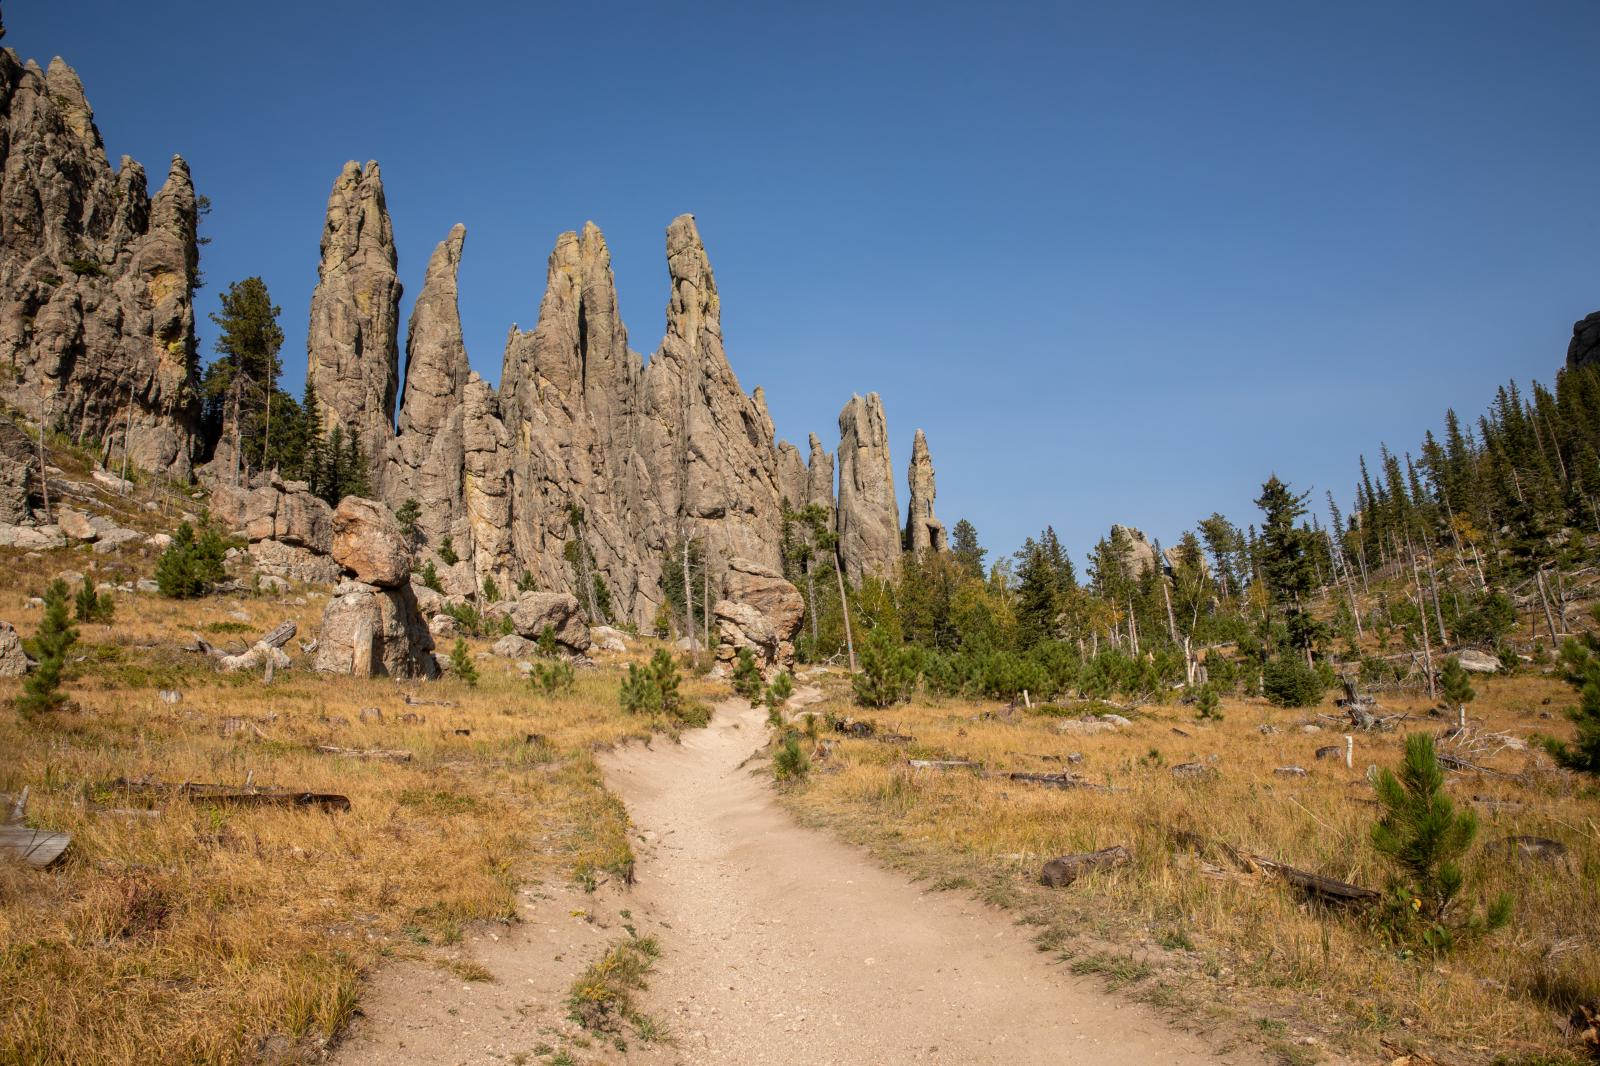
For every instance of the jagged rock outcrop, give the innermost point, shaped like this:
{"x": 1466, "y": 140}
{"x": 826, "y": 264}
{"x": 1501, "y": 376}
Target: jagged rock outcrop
{"x": 791, "y": 469}
{"x": 19, "y": 474}
{"x": 532, "y": 613}
{"x": 96, "y": 278}
{"x": 923, "y": 530}
{"x": 352, "y": 360}
{"x": 375, "y": 632}
{"x": 1584, "y": 349}
{"x": 869, "y": 514}
{"x": 13, "y": 661}
{"x": 427, "y": 457}
{"x": 570, "y": 403}
{"x": 819, "y": 478}
{"x": 708, "y": 446}
{"x": 759, "y": 610}
{"x": 1141, "y": 553}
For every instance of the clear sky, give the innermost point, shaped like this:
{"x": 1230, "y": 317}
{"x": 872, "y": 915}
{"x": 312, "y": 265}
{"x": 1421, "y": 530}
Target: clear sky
{"x": 1121, "y": 261}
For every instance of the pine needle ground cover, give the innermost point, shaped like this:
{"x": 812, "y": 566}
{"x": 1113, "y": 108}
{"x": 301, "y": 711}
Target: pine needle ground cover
{"x": 1194, "y": 933}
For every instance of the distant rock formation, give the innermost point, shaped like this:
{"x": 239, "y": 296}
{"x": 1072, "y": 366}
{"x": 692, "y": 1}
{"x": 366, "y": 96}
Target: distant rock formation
{"x": 1141, "y": 553}
{"x": 923, "y": 530}
{"x": 352, "y": 362}
{"x": 96, "y": 278}
{"x": 869, "y": 514}
{"x": 1584, "y": 349}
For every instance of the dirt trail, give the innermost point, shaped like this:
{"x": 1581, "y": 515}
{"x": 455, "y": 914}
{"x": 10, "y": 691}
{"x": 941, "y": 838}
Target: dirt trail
{"x": 783, "y": 945}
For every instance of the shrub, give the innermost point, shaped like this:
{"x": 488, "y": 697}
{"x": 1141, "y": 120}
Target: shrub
{"x": 1207, "y": 703}
{"x": 461, "y": 663}
{"x": 747, "y": 677}
{"x": 491, "y": 591}
{"x": 192, "y": 563}
{"x": 552, "y": 676}
{"x": 1421, "y": 834}
{"x": 546, "y": 644}
{"x": 430, "y": 577}
{"x": 407, "y": 516}
{"x": 447, "y": 552}
{"x": 48, "y": 648}
{"x": 1581, "y": 664}
{"x": 467, "y": 617}
{"x": 887, "y": 674}
{"x": 775, "y": 696}
{"x": 789, "y": 762}
{"x": 1456, "y": 684}
{"x": 90, "y": 606}
{"x": 652, "y": 688}
{"x": 525, "y": 582}
{"x": 1288, "y": 682}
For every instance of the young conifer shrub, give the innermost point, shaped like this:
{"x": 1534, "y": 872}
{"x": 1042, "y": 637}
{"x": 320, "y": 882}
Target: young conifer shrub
{"x": 90, "y": 606}
{"x": 747, "y": 677}
{"x": 461, "y": 664}
{"x": 41, "y": 691}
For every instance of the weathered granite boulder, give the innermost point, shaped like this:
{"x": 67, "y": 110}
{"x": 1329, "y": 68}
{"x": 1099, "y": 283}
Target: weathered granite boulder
{"x": 1478, "y": 662}
{"x": 13, "y": 661}
{"x": 374, "y": 632}
{"x": 759, "y": 610}
{"x": 75, "y": 524}
{"x": 273, "y": 558}
{"x": 368, "y": 543}
{"x": 532, "y": 612}
{"x": 32, "y": 538}
{"x": 287, "y": 512}
{"x": 513, "y": 646}
{"x": 19, "y": 474}
{"x": 607, "y": 638}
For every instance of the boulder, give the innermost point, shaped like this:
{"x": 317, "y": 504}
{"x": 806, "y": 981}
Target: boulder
{"x": 369, "y": 631}
{"x": 112, "y": 540}
{"x": 1478, "y": 662}
{"x": 75, "y": 524}
{"x": 293, "y": 563}
{"x": 13, "y": 661}
{"x": 607, "y": 638}
{"x": 759, "y": 610}
{"x": 368, "y": 543}
{"x": 288, "y": 513}
{"x": 514, "y": 647}
{"x": 443, "y": 625}
{"x": 532, "y": 612}
{"x": 32, "y": 538}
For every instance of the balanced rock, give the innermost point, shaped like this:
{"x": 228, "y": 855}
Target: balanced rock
{"x": 368, "y": 543}
{"x": 375, "y": 632}
{"x": 287, "y": 512}
{"x": 759, "y": 610}
{"x": 13, "y": 661}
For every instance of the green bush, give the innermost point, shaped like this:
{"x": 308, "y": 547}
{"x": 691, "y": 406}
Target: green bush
{"x": 887, "y": 672}
{"x": 552, "y": 676}
{"x": 775, "y": 696}
{"x": 491, "y": 591}
{"x": 789, "y": 762}
{"x": 1424, "y": 838}
{"x": 653, "y": 687}
{"x": 1288, "y": 682}
{"x": 1207, "y": 703}
{"x": 1580, "y": 662}
{"x": 447, "y": 552}
{"x": 747, "y": 677}
{"x": 430, "y": 577}
{"x": 461, "y": 664}
{"x": 90, "y": 606}
{"x": 192, "y": 563}
{"x": 48, "y": 649}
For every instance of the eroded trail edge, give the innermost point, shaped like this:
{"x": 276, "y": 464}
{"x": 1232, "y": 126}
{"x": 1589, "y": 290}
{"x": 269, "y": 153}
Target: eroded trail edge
{"x": 783, "y": 945}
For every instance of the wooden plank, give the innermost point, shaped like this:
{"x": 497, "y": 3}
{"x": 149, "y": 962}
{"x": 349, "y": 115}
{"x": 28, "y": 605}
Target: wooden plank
{"x": 38, "y": 848}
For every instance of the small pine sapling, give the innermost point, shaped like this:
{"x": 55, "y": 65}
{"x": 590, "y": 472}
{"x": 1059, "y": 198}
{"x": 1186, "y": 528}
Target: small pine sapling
{"x": 491, "y": 591}
{"x": 1457, "y": 689}
{"x": 789, "y": 761}
{"x": 552, "y": 676}
{"x": 48, "y": 648}
{"x": 546, "y": 644}
{"x": 1207, "y": 704}
{"x": 1581, "y": 662}
{"x": 747, "y": 677}
{"x": 430, "y": 577}
{"x": 887, "y": 672}
{"x": 1424, "y": 838}
{"x": 90, "y": 606}
{"x": 447, "y": 552}
{"x": 461, "y": 663}
{"x": 776, "y": 696}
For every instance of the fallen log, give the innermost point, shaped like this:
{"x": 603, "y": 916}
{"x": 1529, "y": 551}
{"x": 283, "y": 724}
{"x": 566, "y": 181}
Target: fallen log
{"x": 38, "y": 848}
{"x": 1061, "y": 872}
{"x": 1325, "y": 888}
{"x": 248, "y": 796}
{"x": 1061, "y": 780}
{"x": 420, "y": 701}
{"x": 942, "y": 764}
{"x": 386, "y": 754}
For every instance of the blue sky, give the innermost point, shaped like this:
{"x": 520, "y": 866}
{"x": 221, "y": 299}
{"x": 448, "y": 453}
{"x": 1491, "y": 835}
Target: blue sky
{"x": 1121, "y": 261}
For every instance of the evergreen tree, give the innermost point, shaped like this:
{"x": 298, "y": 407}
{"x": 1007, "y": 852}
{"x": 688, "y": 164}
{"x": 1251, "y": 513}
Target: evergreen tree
{"x": 48, "y": 649}
{"x": 1286, "y": 565}
{"x": 1580, "y": 659}
{"x": 965, "y": 549}
{"x": 240, "y": 387}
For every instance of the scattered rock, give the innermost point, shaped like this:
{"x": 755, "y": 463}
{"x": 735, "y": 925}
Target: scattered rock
{"x": 13, "y": 661}
{"x": 369, "y": 631}
{"x": 532, "y": 613}
{"x": 1331, "y": 751}
{"x": 32, "y": 538}
{"x": 112, "y": 540}
{"x": 514, "y": 647}
{"x": 1061, "y": 872}
{"x": 111, "y": 481}
{"x": 75, "y": 524}
{"x": 1533, "y": 848}
{"x": 759, "y": 610}
{"x": 607, "y": 638}
{"x": 1194, "y": 770}
{"x": 1478, "y": 662}
{"x": 1291, "y": 771}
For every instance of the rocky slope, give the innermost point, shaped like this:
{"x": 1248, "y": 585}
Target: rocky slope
{"x": 96, "y": 278}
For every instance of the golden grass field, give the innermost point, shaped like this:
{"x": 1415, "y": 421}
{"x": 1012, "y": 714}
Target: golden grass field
{"x": 1218, "y": 946}
{"x": 215, "y": 934}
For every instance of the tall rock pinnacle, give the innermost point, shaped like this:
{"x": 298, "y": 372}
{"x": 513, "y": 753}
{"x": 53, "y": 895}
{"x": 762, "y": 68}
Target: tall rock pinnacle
{"x": 708, "y": 445}
{"x": 96, "y": 278}
{"x": 427, "y": 455}
{"x": 869, "y": 515}
{"x": 352, "y": 359}
{"x": 923, "y": 530}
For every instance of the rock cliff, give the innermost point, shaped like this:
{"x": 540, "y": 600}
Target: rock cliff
{"x": 96, "y": 278}
{"x": 869, "y": 514}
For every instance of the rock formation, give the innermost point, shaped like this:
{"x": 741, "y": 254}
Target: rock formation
{"x": 1584, "y": 350}
{"x": 532, "y": 613}
{"x": 352, "y": 361}
{"x": 759, "y": 610}
{"x": 367, "y": 542}
{"x": 372, "y": 626}
{"x": 19, "y": 474}
{"x": 923, "y": 530}
{"x": 13, "y": 661}
{"x": 869, "y": 515}
{"x": 96, "y": 278}
{"x": 707, "y": 445}
{"x": 819, "y": 478}
{"x": 1141, "y": 553}
{"x": 428, "y": 454}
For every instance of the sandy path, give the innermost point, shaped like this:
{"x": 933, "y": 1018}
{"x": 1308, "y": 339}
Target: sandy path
{"x": 782, "y": 945}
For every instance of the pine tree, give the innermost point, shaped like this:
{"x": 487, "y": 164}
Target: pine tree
{"x": 461, "y": 664}
{"x": 92, "y": 606}
{"x": 240, "y": 383}
{"x": 965, "y": 549}
{"x": 48, "y": 648}
{"x": 1580, "y": 660}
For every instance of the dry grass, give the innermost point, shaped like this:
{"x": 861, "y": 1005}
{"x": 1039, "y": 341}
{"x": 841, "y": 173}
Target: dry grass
{"x": 1192, "y": 939}
{"x": 203, "y": 934}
